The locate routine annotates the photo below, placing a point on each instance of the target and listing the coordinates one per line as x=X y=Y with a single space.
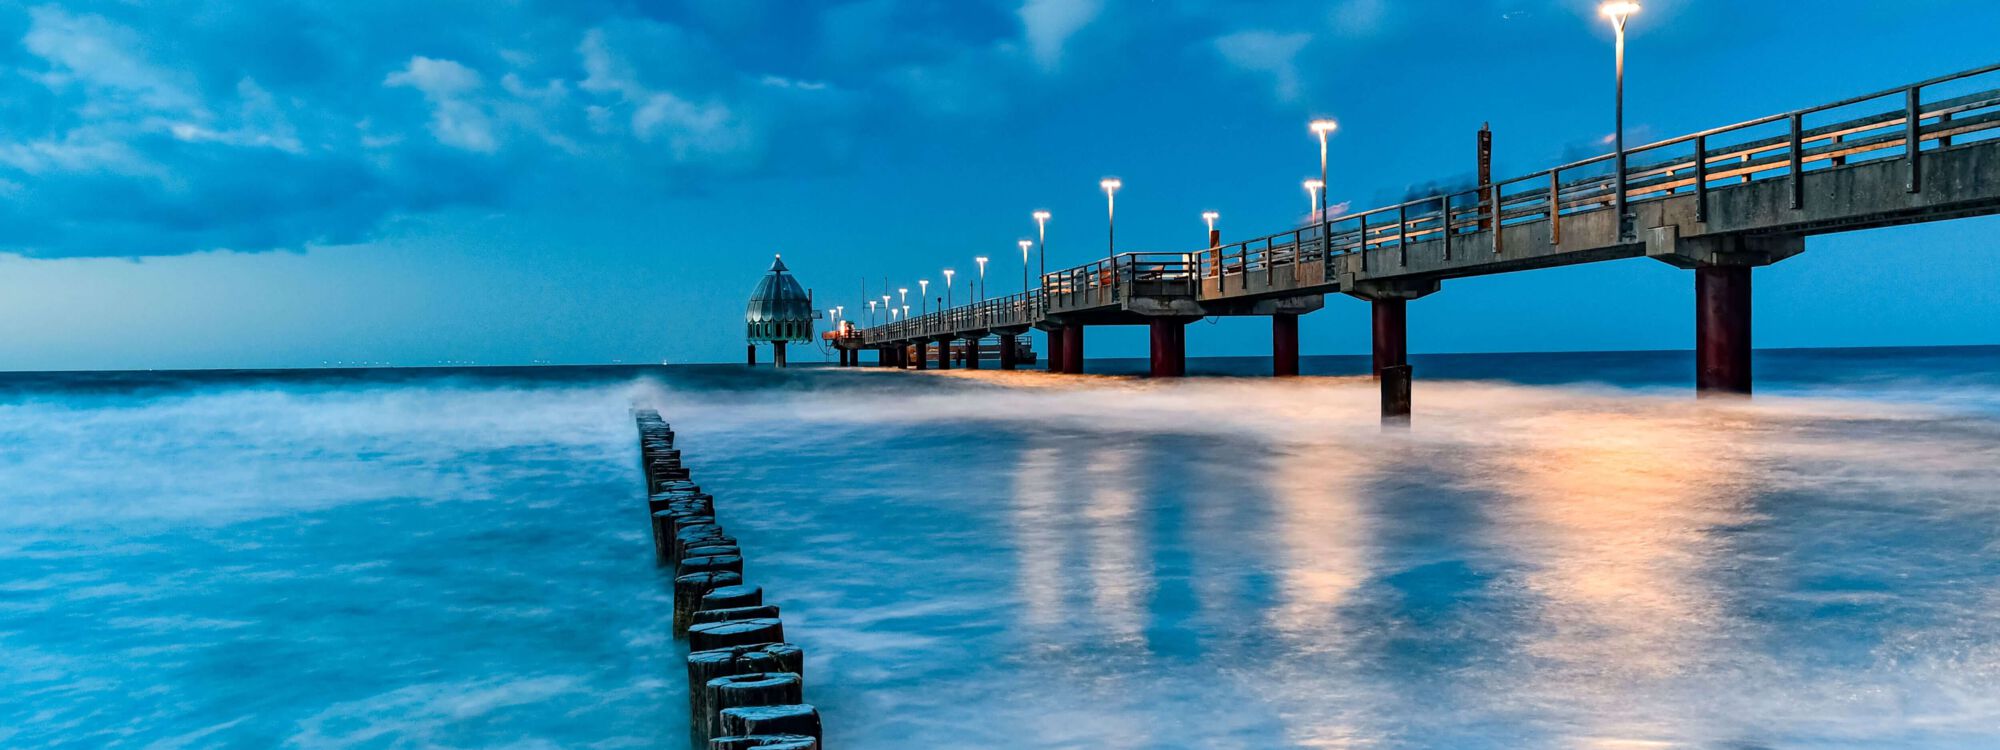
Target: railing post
x=1403 y=234
x=1913 y=135
x=1555 y=207
x=1444 y=223
x=1798 y=163
x=1363 y=248
x=1701 y=178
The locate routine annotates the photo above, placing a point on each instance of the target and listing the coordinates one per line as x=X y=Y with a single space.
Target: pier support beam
x=1722 y=330
x=1057 y=354
x=751 y=360
x=944 y=354
x=1169 y=347
x=1073 y=349
x=923 y=355
x=1284 y=345
x=1008 y=351
x=1392 y=333
x=971 y=354
x=778 y=354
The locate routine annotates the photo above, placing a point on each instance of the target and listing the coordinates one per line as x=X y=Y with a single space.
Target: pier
x=1719 y=203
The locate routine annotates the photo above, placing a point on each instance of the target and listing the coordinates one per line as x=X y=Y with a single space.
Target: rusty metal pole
x=1169 y=347
x=1722 y=330
x=1284 y=345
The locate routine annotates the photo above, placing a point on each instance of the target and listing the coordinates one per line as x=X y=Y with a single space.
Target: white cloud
x=457 y=119
x=95 y=53
x=1266 y=53
x=1049 y=24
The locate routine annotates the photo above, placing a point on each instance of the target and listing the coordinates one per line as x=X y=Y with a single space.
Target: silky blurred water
x=1567 y=551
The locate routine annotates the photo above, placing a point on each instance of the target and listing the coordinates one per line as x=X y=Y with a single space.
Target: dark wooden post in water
x=1169 y=347
x=745 y=722
x=1722 y=330
x=1008 y=351
x=1392 y=336
x=1284 y=345
x=1396 y=396
x=1073 y=349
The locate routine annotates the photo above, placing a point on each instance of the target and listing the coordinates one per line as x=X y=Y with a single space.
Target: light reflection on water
x=988 y=559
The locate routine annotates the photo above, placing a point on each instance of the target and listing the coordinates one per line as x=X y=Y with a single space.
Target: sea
x=1561 y=551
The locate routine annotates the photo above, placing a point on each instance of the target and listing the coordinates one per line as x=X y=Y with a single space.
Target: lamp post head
x=903 y=290
x=981 y=260
x=1323 y=126
x=925 y=285
x=1111 y=184
x=1025 y=244
x=1210 y=217
x=947 y=275
x=1041 y=216
x=1314 y=184
x=1618 y=11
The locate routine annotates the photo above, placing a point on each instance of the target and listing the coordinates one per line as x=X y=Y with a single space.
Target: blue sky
x=228 y=184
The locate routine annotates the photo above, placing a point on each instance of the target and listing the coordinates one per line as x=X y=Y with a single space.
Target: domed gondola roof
x=779 y=309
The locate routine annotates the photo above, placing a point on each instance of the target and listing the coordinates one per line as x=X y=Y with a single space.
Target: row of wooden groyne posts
x=745 y=683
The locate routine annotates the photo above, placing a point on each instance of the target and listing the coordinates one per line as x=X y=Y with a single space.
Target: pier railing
x=1898 y=123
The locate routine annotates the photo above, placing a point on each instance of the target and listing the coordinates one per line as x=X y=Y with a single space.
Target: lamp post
x=1619 y=11
x=1025 y=244
x=947 y=289
x=1314 y=191
x=1322 y=128
x=981 y=260
x=923 y=296
x=871 y=312
x=1111 y=186
x=903 y=296
x=1042 y=244
x=1214 y=242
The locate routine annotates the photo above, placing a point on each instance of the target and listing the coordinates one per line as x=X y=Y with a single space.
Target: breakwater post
x=746 y=685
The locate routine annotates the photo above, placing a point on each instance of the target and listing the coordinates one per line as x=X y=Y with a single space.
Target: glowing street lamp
x=1322 y=128
x=923 y=296
x=871 y=312
x=1619 y=11
x=1210 y=217
x=904 y=296
x=1314 y=191
x=947 y=288
x=981 y=260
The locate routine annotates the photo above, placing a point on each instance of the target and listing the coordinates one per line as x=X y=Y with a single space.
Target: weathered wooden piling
x=749 y=721
x=749 y=690
x=713 y=635
x=731 y=563
x=687 y=595
x=704 y=666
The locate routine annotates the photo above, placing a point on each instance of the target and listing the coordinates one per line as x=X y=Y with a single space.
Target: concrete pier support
x=1169 y=347
x=1284 y=345
x=972 y=354
x=1073 y=349
x=1057 y=354
x=751 y=359
x=778 y=354
x=1008 y=344
x=944 y=354
x=1722 y=330
x=1392 y=335
x=923 y=355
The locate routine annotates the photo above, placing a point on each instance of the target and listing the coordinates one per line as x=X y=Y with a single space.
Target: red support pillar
x=923 y=355
x=1169 y=347
x=1008 y=351
x=1057 y=356
x=1392 y=336
x=1722 y=330
x=1073 y=349
x=1284 y=345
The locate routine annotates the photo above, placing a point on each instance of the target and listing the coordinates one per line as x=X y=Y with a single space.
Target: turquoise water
x=1567 y=551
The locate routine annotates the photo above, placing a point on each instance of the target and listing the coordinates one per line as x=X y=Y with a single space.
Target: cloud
x=456 y=119
x=1050 y=23
x=1267 y=53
